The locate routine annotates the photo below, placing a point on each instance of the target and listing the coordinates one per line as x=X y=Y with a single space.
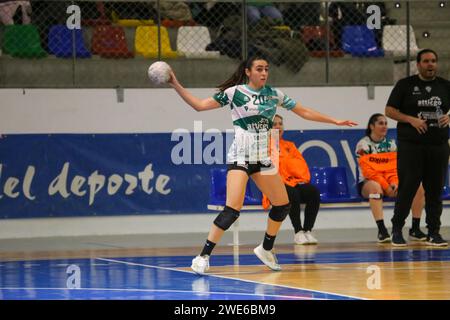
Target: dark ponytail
x=239 y=76
x=373 y=118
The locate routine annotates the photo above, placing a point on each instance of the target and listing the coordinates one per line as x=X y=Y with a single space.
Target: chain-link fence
x=101 y=44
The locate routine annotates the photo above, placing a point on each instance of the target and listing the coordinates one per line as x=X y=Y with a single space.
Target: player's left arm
x=313 y=115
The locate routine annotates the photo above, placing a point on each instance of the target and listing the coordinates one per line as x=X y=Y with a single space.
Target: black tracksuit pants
x=418 y=163
x=310 y=196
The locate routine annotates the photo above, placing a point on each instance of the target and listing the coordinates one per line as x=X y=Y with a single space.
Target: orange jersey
x=380 y=167
x=292 y=167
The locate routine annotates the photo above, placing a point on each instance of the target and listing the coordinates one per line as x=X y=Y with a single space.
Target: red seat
x=314 y=37
x=101 y=20
x=110 y=42
x=177 y=23
x=323 y=53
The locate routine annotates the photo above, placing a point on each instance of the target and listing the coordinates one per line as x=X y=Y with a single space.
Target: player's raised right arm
x=196 y=103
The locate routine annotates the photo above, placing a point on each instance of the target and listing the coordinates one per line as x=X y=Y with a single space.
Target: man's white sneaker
x=267 y=257
x=300 y=238
x=200 y=264
x=310 y=238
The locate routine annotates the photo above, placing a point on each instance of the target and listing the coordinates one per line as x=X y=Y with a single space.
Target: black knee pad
x=226 y=218
x=279 y=213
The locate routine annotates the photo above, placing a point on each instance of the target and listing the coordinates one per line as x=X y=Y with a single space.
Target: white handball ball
x=159 y=72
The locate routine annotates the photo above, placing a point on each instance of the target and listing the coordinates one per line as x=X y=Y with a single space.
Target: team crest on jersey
x=428 y=88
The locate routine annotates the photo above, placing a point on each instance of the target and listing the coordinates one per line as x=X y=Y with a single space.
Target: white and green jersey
x=367 y=146
x=252 y=113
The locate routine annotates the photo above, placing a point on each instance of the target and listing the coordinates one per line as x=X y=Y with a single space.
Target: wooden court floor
x=325 y=271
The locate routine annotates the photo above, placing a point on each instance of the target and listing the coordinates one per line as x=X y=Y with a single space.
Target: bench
x=331 y=182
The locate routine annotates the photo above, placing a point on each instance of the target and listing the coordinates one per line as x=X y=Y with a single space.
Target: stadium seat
x=394 y=41
x=192 y=41
x=22 y=41
x=332 y=184
x=168 y=23
x=218 y=190
x=101 y=20
x=446 y=193
x=360 y=41
x=315 y=37
x=146 y=42
x=133 y=23
x=60 y=42
x=283 y=28
x=110 y=42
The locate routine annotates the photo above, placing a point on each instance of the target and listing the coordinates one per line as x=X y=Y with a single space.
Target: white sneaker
x=267 y=257
x=300 y=238
x=310 y=238
x=200 y=264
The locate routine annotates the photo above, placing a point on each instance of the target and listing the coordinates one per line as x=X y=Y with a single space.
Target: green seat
x=22 y=41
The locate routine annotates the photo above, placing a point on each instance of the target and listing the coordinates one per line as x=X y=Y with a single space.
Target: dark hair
x=421 y=52
x=239 y=76
x=373 y=118
x=277 y=115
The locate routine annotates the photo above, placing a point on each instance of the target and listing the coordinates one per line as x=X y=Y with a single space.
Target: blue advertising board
x=64 y=175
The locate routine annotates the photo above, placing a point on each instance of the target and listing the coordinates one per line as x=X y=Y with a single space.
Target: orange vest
x=292 y=167
x=380 y=167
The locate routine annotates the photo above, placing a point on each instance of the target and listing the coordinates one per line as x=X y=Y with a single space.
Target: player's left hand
x=444 y=121
x=347 y=123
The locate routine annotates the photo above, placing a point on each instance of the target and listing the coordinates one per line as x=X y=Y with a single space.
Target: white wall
x=161 y=110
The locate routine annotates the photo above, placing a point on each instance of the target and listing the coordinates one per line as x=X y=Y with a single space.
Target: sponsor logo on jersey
x=378 y=160
x=262 y=124
x=432 y=102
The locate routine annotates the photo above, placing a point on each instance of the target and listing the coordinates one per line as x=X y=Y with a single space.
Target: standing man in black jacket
x=420 y=104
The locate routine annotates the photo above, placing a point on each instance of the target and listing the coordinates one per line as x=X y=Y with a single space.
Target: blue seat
x=218 y=191
x=60 y=42
x=446 y=193
x=332 y=184
x=360 y=41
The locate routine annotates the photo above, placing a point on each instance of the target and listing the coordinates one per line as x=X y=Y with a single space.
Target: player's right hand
x=172 y=80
